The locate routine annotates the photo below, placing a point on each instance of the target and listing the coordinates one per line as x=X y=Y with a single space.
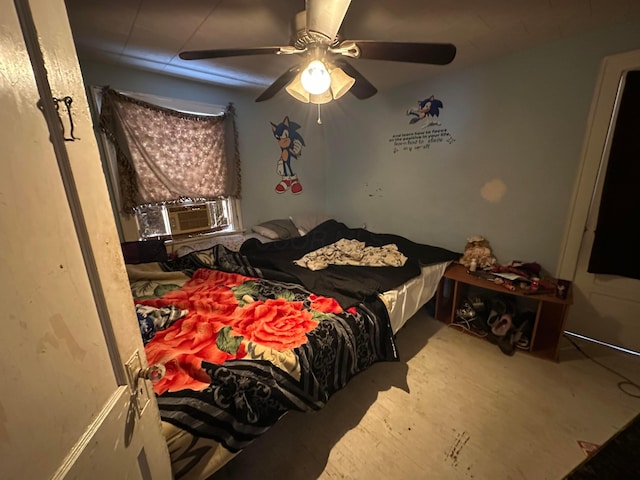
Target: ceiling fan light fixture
x=321 y=98
x=296 y=90
x=316 y=34
x=340 y=82
x=315 y=78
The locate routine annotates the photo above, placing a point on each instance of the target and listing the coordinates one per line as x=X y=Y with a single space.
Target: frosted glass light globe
x=315 y=78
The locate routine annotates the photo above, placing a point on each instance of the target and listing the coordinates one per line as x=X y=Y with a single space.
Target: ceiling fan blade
x=227 y=52
x=431 y=53
x=326 y=16
x=279 y=84
x=362 y=88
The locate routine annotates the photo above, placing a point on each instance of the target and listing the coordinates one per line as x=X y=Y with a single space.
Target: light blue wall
x=520 y=120
x=260 y=154
x=259 y=151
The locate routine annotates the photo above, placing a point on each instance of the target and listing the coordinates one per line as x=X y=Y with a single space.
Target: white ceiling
x=149 y=34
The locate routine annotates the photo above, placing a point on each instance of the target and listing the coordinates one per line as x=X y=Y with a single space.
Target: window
x=186 y=218
x=156 y=189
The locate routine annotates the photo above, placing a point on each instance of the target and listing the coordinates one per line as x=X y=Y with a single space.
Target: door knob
x=154 y=373
x=141 y=392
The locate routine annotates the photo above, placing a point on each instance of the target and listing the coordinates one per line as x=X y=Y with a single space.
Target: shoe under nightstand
x=550 y=311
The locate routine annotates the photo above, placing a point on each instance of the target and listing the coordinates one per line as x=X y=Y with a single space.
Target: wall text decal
x=430 y=131
x=420 y=140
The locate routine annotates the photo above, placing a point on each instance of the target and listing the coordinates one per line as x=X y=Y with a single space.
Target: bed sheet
x=403 y=302
x=233 y=241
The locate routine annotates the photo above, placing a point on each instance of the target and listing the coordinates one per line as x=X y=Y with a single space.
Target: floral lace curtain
x=164 y=155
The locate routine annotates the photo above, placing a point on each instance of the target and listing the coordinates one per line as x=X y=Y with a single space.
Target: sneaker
x=477 y=303
x=466 y=311
x=502 y=326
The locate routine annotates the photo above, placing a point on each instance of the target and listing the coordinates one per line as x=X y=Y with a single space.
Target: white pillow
x=305 y=222
x=280 y=229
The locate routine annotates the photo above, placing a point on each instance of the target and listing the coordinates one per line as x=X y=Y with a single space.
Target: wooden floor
x=454 y=407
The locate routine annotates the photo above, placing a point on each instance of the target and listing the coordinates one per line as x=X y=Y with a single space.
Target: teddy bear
x=478 y=249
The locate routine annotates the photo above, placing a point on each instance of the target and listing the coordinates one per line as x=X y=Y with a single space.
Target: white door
x=68 y=322
x=606 y=307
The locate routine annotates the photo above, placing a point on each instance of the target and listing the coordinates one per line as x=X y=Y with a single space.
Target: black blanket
x=350 y=285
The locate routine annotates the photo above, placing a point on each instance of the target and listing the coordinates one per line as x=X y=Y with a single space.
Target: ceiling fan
x=325 y=74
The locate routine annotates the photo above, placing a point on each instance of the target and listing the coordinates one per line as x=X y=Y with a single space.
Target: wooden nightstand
x=550 y=311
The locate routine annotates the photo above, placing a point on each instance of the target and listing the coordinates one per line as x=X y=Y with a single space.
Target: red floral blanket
x=248 y=349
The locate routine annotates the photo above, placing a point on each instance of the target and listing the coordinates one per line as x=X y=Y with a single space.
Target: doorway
x=606 y=300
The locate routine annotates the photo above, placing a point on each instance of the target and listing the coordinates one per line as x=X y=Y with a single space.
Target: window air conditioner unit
x=188 y=218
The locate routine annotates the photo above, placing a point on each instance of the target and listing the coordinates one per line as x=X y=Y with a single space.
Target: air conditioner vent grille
x=189 y=219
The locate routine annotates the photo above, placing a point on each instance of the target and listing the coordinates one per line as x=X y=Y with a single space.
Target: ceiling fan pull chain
x=319 y=119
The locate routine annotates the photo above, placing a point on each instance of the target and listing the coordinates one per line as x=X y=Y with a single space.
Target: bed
x=248 y=334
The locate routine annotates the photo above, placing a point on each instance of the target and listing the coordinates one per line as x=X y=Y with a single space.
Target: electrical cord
x=465 y=325
x=623 y=384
